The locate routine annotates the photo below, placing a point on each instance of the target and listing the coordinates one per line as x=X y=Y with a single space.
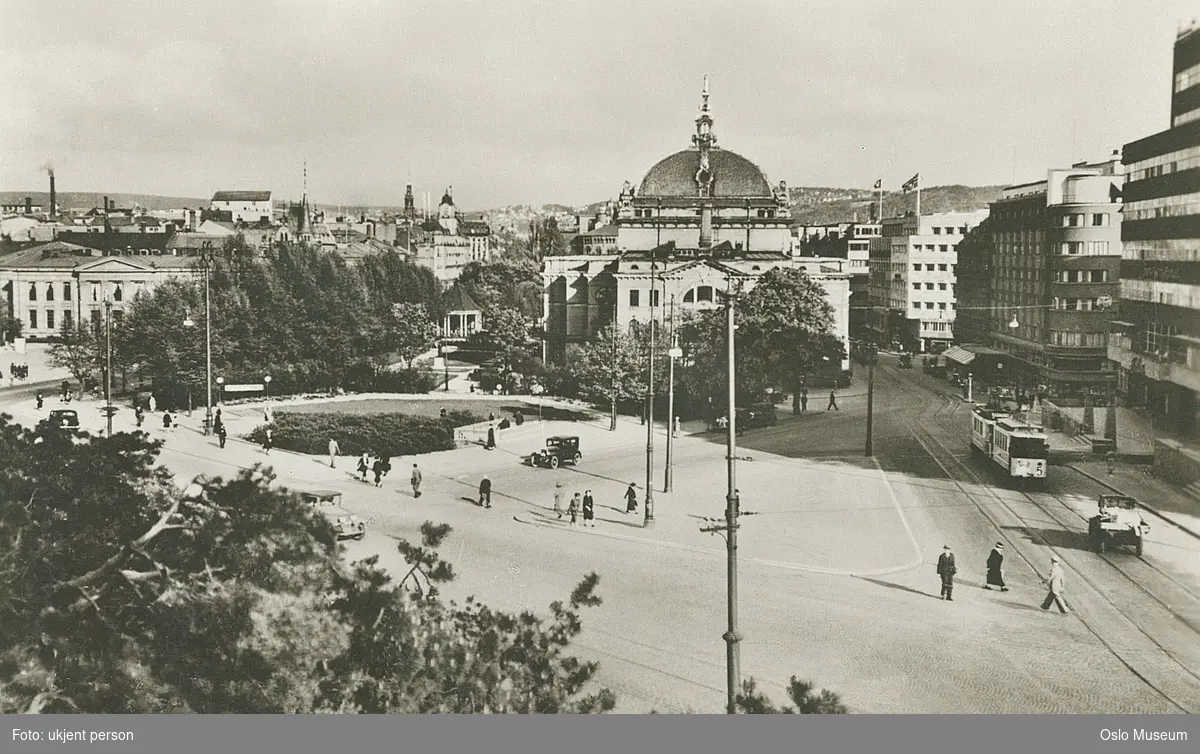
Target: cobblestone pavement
x=836 y=562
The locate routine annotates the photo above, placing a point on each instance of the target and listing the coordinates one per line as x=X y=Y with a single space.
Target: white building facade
x=244 y=206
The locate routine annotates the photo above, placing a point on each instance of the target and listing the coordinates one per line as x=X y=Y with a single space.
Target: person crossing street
x=832 y=401
x=946 y=570
x=995 y=568
x=558 y=499
x=415 y=479
x=485 y=492
x=1054 y=584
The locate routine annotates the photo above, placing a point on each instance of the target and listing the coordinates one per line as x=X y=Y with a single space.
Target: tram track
x=937 y=413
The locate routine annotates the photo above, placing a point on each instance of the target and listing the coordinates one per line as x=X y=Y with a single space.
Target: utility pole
x=649 y=515
x=108 y=406
x=668 y=481
x=731 y=636
x=872 y=356
x=612 y=420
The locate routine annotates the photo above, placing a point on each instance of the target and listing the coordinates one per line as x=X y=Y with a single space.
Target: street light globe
x=1014 y=324
x=220 y=380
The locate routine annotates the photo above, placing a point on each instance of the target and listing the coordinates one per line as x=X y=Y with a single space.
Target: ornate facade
x=701 y=219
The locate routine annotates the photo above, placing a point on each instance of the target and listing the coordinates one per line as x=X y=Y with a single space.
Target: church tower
x=447 y=214
x=410 y=204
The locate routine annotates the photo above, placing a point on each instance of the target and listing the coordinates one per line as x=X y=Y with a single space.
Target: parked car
x=67 y=418
x=345 y=524
x=559 y=450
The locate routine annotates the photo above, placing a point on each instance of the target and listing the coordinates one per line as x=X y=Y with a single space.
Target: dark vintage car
x=559 y=450
x=345 y=524
x=64 y=418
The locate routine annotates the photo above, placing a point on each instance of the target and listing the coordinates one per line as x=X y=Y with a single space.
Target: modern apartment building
x=1156 y=342
x=1042 y=283
x=912 y=279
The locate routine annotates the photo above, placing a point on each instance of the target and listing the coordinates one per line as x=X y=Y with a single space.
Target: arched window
x=704 y=294
x=33 y=291
x=756 y=268
x=49 y=291
x=633 y=267
x=690 y=297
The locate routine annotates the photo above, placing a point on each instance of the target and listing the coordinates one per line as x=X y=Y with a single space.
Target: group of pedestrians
x=16 y=372
x=947 y=569
x=578 y=504
x=378 y=465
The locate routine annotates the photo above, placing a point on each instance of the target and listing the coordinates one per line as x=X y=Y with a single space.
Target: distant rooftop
x=242 y=196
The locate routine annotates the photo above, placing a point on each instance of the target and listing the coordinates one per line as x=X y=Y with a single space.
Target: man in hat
x=1055 y=583
x=946 y=569
x=558 y=499
x=995 y=568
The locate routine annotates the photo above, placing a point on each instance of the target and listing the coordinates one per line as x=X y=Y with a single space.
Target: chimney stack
x=106 y=205
x=53 y=198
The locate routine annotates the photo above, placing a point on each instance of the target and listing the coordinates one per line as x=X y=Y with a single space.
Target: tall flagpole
x=879 y=185
x=918 y=197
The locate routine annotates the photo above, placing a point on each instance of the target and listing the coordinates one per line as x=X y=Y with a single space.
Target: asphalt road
x=837 y=570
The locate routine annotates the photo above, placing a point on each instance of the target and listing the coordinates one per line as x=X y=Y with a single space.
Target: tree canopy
x=120 y=592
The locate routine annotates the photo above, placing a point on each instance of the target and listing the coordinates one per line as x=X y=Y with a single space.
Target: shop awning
x=959 y=355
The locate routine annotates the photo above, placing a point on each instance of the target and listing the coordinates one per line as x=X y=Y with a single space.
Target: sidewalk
x=1173 y=504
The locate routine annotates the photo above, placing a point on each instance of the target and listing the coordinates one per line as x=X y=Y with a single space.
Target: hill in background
x=825 y=206
x=87 y=200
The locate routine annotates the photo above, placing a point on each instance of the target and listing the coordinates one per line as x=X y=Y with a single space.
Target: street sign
x=244 y=388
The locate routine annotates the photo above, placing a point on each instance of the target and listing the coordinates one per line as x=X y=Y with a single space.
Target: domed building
x=702 y=218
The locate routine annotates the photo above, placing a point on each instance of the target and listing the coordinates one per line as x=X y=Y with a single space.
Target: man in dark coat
x=995 y=568
x=485 y=492
x=946 y=569
x=803 y=399
x=491 y=438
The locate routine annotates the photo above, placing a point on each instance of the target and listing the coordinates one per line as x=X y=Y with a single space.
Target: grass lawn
x=501 y=406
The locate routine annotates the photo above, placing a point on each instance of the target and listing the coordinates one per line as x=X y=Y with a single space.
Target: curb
x=1163 y=516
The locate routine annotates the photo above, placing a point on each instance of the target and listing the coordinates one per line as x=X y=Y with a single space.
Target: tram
x=1018 y=448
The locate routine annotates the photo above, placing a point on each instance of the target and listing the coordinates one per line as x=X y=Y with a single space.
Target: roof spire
x=704 y=137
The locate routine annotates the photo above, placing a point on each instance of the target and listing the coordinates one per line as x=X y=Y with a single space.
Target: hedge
x=390 y=434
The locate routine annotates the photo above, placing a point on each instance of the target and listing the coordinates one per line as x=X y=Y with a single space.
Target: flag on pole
x=878 y=183
x=912 y=183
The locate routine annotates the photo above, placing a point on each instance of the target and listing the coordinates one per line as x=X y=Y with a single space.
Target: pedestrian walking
x=377 y=470
x=558 y=499
x=995 y=568
x=803 y=399
x=675 y=429
x=153 y=400
x=491 y=438
x=1055 y=585
x=66 y=390
x=491 y=416
x=573 y=508
x=166 y=419
x=946 y=569
x=1110 y=458
x=589 y=510
x=385 y=462
x=334 y=449
x=139 y=415
x=221 y=435
x=832 y=401
x=485 y=492
x=442 y=413
x=39 y=400
x=415 y=480
x=631 y=498
x=364 y=465
x=268 y=441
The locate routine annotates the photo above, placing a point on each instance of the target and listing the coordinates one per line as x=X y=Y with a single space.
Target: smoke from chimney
x=53 y=195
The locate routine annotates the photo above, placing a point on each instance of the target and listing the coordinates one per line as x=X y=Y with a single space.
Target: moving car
x=64 y=417
x=559 y=449
x=1118 y=524
x=345 y=524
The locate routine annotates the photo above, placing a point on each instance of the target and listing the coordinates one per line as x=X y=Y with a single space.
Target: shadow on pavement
x=890 y=585
x=1052 y=537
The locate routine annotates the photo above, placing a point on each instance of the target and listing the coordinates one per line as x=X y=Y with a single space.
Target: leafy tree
x=506 y=331
x=120 y=592
x=497 y=285
x=808 y=702
x=78 y=350
x=614 y=367
x=10 y=327
x=410 y=331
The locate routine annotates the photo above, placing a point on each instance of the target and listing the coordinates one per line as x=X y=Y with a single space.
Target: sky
x=524 y=102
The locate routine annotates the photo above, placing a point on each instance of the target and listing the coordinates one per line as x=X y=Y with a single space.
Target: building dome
x=733 y=176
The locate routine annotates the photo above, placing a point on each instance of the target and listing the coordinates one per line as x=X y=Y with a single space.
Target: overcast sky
x=515 y=101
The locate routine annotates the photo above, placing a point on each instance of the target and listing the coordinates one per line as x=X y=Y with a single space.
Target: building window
x=916 y=286
x=50 y=319
x=1099 y=276
x=937 y=231
x=635 y=298
x=116 y=291
x=49 y=291
x=916 y=268
x=1100 y=219
x=654 y=297
x=96 y=323
x=66 y=291
x=704 y=293
x=941 y=286
x=941 y=268
x=962 y=231
x=929 y=267
x=33 y=291
x=916 y=304
x=33 y=321
x=928 y=304
x=67 y=318
x=941 y=304
x=942 y=247
x=929 y=286
x=95 y=291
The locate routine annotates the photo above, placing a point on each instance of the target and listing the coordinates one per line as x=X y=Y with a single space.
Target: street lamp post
x=220 y=390
x=871 y=358
x=188 y=322
x=108 y=406
x=649 y=514
x=674 y=353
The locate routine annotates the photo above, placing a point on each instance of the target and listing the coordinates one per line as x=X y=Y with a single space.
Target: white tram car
x=1020 y=449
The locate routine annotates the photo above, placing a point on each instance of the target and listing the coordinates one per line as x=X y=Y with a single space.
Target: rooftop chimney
x=106 y=205
x=53 y=198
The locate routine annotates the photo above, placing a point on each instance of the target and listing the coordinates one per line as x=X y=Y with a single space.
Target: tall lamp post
x=731 y=635
x=675 y=353
x=649 y=515
x=108 y=406
x=206 y=263
x=872 y=357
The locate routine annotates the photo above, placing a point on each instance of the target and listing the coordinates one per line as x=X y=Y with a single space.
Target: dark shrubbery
x=390 y=434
